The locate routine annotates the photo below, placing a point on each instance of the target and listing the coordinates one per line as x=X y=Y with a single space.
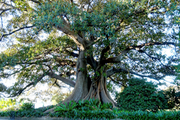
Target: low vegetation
x=91 y=109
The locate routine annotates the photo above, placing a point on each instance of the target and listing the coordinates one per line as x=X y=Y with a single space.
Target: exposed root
x=99 y=91
x=50 y=110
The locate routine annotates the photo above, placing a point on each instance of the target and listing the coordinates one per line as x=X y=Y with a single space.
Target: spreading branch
x=27 y=86
x=72 y=53
x=117 y=82
x=90 y=59
x=55 y=83
x=4 y=10
x=113 y=70
x=65 y=28
x=6 y=75
x=135 y=47
x=102 y=57
x=66 y=81
x=4 y=35
x=35 y=1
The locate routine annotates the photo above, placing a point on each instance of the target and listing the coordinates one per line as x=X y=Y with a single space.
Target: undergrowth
x=91 y=110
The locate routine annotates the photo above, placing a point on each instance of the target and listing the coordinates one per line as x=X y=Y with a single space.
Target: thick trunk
x=98 y=90
x=82 y=83
x=85 y=91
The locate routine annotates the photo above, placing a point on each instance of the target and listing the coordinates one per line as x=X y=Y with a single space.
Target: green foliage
x=27 y=106
x=2 y=87
x=26 y=110
x=7 y=104
x=177 y=68
x=141 y=95
x=173 y=98
x=84 y=109
x=59 y=97
x=144 y=115
x=83 y=105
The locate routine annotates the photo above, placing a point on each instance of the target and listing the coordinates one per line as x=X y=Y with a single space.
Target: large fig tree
x=97 y=41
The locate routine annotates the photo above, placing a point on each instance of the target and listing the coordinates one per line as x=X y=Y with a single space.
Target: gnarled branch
x=66 y=81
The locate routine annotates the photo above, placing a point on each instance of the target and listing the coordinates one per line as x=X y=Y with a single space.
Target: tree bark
x=85 y=88
x=82 y=81
x=98 y=89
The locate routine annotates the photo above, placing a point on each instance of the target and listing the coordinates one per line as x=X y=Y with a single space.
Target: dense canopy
x=97 y=41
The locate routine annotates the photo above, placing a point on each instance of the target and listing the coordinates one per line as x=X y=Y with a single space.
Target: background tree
x=100 y=41
x=141 y=95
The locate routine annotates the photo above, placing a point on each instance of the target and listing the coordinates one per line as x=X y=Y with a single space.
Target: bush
x=141 y=95
x=27 y=106
x=172 y=97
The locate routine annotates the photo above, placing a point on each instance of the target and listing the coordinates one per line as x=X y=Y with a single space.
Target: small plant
x=27 y=106
x=66 y=107
x=84 y=109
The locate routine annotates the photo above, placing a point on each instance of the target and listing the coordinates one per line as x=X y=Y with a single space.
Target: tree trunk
x=82 y=81
x=86 y=89
x=98 y=90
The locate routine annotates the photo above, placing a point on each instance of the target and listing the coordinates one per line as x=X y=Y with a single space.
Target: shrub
x=141 y=95
x=173 y=97
x=27 y=106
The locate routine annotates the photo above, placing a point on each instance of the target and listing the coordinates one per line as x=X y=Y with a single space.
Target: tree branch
x=72 y=53
x=66 y=81
x=90 y=59
x=66 y=29
x=92 y=62
x=116 y=82
x=113 y=70
x=35 y=1
x=102 y=57
x=135 y=47
x=55 y=83
x=4 y=10
x=6 y=75
x=4 y=35
x=30 y=84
